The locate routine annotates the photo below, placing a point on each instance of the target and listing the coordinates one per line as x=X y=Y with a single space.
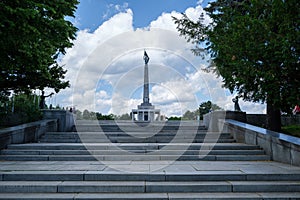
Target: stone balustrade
x=26 y=133
x=281 y=147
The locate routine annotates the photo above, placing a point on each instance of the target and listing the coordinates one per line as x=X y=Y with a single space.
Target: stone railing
x=278 y=146
x=26 y=133
x=211 y=119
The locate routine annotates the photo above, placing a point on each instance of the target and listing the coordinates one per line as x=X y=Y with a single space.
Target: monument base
x=145 y=114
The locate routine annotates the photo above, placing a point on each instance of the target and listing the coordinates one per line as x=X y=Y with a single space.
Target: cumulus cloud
x=113 y=9
x=165 y=21
x=105 y=68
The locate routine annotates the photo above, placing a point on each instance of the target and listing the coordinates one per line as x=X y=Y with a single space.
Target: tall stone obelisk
x=146 y=100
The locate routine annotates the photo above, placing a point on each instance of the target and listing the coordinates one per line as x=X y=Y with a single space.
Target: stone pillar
x=146 y=85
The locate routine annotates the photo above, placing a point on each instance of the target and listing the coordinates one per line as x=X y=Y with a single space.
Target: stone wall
x=26 y=133
x=280 y=147
x=210 y=120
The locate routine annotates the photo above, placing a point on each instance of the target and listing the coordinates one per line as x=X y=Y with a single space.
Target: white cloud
x=194 y=14
x=105 y=68
x=86 y=43
x=165 y=21
x=113 y=9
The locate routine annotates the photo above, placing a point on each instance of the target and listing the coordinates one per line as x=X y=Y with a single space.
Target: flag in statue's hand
x=146 y=57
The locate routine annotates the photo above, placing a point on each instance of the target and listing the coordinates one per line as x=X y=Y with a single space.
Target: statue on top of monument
x=146 y=57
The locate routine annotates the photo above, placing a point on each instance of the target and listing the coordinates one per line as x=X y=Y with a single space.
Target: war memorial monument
x=146 y=112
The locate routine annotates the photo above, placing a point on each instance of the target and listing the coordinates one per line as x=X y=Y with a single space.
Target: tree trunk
x=273 y=118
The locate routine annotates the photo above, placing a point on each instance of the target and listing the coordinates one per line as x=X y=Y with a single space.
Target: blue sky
x=92 y=13
x=105 y=65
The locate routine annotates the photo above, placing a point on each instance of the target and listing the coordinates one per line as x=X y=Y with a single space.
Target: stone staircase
x=134 y=143
x=145 y=161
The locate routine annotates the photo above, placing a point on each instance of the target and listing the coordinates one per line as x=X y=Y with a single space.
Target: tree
x=189 y=115
x=124 y=117
x=204 y=107
x=100 y=116
x=33 y=34
x=254 y=46
x=174 y=118
x=21 y=108
x=79 y=115
x=86 y=114
x=207 y=107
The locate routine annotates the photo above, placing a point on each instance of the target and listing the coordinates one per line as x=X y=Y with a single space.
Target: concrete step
x=137 y=157
x=133 y=146
x=133 y=140
x=133 y=128
x=126 y=136
x=133 y=137
x=147 y=186
x=115 y=152
x=188 y=134
x=150 y=196
x=208 y=175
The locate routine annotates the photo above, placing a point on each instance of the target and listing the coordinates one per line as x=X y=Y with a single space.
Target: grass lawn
x=293 y=130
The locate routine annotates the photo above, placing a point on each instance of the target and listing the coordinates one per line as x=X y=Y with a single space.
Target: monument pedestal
x=145 y=113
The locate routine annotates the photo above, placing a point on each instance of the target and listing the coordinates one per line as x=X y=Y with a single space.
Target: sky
x=105 y=65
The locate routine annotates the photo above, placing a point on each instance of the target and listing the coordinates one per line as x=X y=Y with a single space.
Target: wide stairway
x=143 y=161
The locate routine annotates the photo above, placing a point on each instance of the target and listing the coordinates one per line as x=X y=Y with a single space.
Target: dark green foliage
x=174 y=118
x=21 y=108
x=207 y=107
x=255 y=47
x=93 y=115
x=204 y=108
x=105 y=117
x=124 y=117
x=87 y=115
x=78 y=114
x=189 y=115
x=33 y=33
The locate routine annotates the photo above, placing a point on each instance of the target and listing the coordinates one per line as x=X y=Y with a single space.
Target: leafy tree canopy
x=207 y=107
x=254 y=46
x=204 y=108
x=21 y=108
x=174 y=118
x=33 y=33
x=125 y=116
